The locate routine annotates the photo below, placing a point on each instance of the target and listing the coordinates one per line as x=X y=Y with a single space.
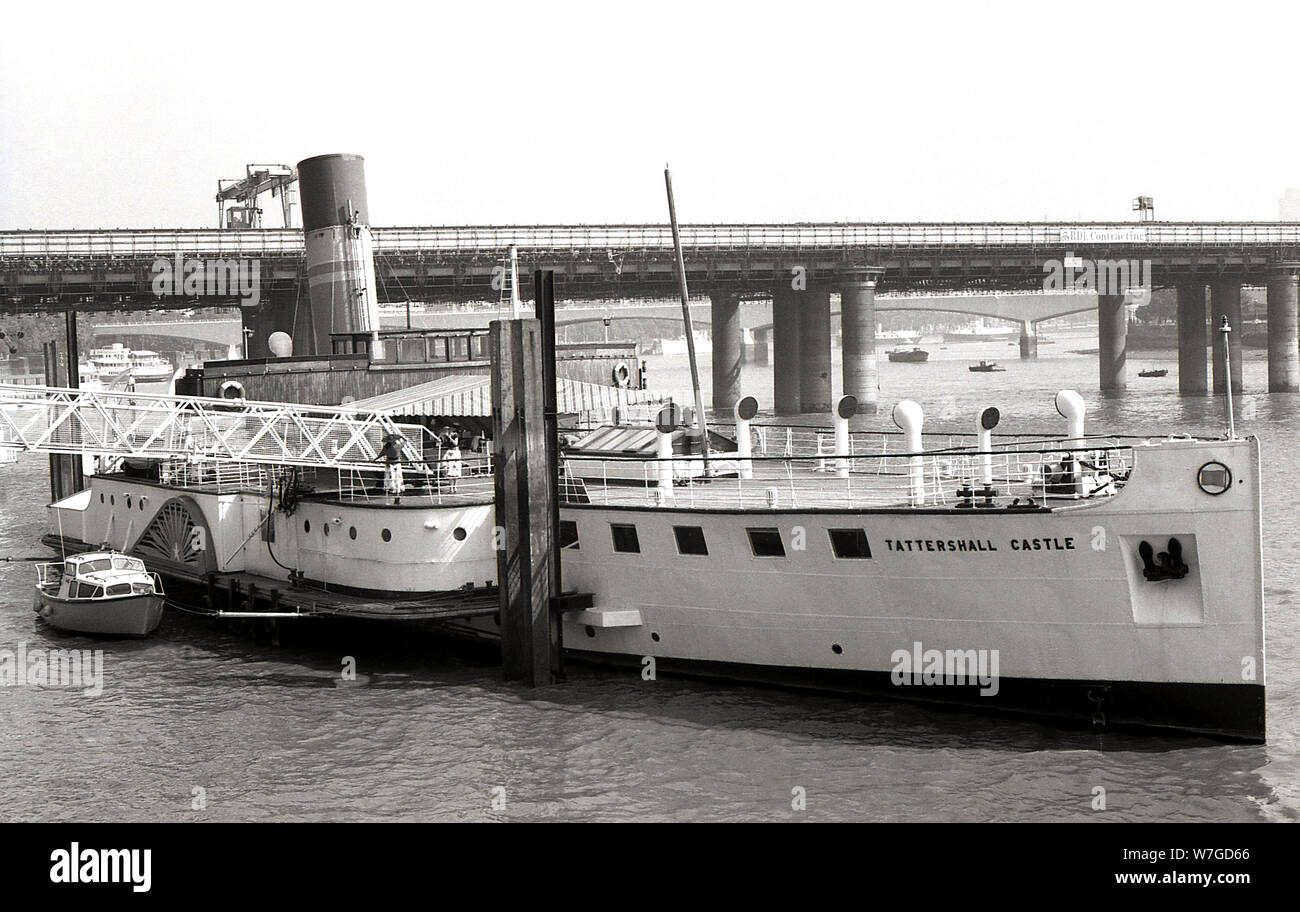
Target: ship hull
x=135 y=616
x=1051 y=610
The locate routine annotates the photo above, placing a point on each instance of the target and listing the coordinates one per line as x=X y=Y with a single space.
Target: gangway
x=133 y=425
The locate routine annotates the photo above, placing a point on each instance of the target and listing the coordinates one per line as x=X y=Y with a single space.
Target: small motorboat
x=986 y=367
x=1154 y=372
x=913 y=356
x=100 y=592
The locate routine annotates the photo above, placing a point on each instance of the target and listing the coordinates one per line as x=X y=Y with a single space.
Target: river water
x=197 y=723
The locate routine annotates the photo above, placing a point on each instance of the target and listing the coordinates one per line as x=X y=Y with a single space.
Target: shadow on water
x=420 y=659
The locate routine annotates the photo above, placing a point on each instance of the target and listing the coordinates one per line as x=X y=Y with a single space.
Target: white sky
x=125 y=115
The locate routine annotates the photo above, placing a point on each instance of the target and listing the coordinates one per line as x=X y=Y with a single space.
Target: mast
x=702 y=423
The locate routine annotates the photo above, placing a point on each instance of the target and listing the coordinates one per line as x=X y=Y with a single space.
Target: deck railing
x=1012 y=476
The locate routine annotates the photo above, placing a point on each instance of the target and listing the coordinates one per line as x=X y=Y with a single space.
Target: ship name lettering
x=940 y=544
x=1042 y=544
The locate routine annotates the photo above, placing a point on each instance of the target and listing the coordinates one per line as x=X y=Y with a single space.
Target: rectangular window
x=625 y=539
x=766 y=542
x=569 y=535
x=850 y=543
x=690 y=540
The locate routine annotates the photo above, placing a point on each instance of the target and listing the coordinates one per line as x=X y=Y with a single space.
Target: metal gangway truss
x=132 y=425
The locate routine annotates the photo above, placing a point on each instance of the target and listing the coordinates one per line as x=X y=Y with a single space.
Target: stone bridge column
x=1225 y=301
x=858 y=329
x=1112 y=343
x=1192 y=373
x=1283 y=339
x=1028 y=340
x=785 y=350
x=728 y=348
x=815 y=349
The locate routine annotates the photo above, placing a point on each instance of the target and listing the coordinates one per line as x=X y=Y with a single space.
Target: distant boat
x=1154 y=372
x=986 y=367
x=1085 y=351
x=914 y=356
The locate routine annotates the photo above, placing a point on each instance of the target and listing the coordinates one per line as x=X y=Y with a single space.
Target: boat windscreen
x=94 y=566
x=119 y=589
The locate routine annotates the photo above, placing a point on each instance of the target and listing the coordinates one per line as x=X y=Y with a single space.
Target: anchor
x=1166 y=565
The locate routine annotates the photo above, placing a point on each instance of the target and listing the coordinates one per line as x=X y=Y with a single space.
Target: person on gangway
x=391 y=453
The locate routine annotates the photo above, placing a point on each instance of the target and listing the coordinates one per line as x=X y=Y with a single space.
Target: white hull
x=136 y=615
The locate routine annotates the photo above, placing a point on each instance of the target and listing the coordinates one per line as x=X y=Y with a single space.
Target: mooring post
x=66 y=476
x=524 y=491
x=544 y=301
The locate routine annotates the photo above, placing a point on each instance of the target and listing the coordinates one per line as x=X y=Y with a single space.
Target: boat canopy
x=470 y=396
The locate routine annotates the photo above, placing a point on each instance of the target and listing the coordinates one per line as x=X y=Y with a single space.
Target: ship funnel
x=339 y=254
x=909 y=417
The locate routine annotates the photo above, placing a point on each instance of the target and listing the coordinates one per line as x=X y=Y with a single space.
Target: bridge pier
x=1283 y=338
x=815 y=349
x=1028 y=340
x=785 y=350
x=1112 y=342
x=1192 y=373
x=858 y=332
x=1225 y=301
x=728 y=348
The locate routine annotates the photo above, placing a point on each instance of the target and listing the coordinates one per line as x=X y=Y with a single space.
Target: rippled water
x=274 y=733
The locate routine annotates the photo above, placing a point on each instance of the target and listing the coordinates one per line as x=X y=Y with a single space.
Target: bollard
x=1072 y=408
x=845 y=408
x=909 y=417
x=746 y=409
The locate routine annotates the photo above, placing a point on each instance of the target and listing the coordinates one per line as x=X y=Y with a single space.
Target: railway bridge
x=798 y=267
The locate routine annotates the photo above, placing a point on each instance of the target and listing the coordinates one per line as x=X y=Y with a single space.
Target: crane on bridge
x=280 y=180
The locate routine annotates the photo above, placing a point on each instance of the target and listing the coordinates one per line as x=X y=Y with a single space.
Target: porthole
x=459 y=534
x=326 y=529
x=306 y=525
x=386 y=535
x=655 y=637
x=142 y=500
x=128 y=501
x=837 y=649
x=591 y=631
x=101 y=496
x=352 y=532
x=1214 y=478
x=112 y=500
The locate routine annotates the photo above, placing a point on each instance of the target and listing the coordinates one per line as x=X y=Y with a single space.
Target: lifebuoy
x=622 y=375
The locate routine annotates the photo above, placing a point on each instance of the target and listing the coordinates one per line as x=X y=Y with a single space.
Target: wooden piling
x=524 y=503
x=66 y=475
